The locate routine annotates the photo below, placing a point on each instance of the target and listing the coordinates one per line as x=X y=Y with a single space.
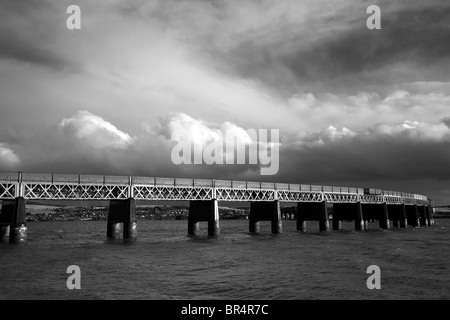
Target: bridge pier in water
x=122 y=222
x=203 y=210
x=348 y=211
x=430 y=215
x=312 y=211
x=412 y=214
x=13 y=221
x=338 y=213
x=397 y=214
x=423 y=213
x=265 y=211
x=377 y=211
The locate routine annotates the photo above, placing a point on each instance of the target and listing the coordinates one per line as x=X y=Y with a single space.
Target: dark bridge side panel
x=122 y=213
x=13 y=220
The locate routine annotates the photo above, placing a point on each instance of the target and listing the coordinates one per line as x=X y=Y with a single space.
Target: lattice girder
x=98 y=187
x=8 y=190
x=299 y=196
x=74 y=191
x=393 y=200
x=144 y=192
x=341 y=197
x=372 y=198
x=235 y=194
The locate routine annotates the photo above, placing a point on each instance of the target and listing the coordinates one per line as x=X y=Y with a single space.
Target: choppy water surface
x=164 y=263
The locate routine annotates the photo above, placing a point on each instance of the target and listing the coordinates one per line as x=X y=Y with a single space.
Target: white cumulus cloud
x=8 y=159
x=94 y=131
x=201 y=132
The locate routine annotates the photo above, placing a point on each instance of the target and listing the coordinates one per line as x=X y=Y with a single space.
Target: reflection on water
x=164 y=263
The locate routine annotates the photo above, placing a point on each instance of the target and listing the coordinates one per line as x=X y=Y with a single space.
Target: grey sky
x=354 y=106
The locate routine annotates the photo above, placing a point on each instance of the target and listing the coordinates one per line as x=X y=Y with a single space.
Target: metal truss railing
x=227 y=194
x=300 y=196
x=146 y=192
x=74 y=191
x=97 y=187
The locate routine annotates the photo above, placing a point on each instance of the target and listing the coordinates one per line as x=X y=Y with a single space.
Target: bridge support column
x=403 y=219
x=430 y=215
x=312 y=211
x=357 y=209
x=4 y=232
x=265 y=211
x=412 y=215
x=423 y=215
x=366 y=224
x=338 y=215
x=301 y=215
x=377 y=211
x=384 y=216
x=122 y=214
x=397 y=215
x=13 y=221
x=253 y=226
x=337 y=224
x=203 y=210
x=324 y=222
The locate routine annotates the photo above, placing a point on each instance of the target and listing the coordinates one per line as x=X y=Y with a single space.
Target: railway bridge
x=350 y=204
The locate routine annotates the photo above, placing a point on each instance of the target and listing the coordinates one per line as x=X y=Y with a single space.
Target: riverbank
x=442 y=212
x=74 y=213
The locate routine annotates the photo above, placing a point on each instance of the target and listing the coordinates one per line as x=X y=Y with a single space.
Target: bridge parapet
x=98 y=187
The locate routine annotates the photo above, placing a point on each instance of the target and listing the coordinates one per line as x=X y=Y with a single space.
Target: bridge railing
x=48 y=178
x=9 y=177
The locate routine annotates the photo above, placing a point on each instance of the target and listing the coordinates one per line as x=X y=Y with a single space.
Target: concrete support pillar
x=396 y=215
x=324 y=222
x=13 y=221
x=277 y=226
x=358 y=214
x=130 y=223
x=416 y=216
x=312 y=211
x=412 y=215
x=4 y=232
x=366 y=224
x=337 y=224
x=430 y=216
x=122 y=221
x=384 y=216
x=265 y=211
x=423 y=215
x=301 y=216
x=339 y=213
x=253 y=222
x=203 y=210
x=403 y=219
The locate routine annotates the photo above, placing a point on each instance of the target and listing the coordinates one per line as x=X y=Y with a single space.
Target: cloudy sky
x=355 y=107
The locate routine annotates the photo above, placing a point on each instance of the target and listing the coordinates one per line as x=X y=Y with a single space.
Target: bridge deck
x=96 y=187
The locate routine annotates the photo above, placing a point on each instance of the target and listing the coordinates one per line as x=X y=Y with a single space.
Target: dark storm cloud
x=24 y=51
x=411 y=36
x=308 y=67
x=344 y=52
x=27 y=32
x=362 y=160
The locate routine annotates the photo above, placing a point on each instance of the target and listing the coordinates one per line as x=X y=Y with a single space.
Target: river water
x=164 y=263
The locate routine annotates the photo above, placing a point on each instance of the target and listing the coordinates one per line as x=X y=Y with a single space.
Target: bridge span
x=356 y=204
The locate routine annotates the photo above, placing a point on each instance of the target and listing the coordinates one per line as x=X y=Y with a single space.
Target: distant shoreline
x=46 y=212
x=36 y=213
